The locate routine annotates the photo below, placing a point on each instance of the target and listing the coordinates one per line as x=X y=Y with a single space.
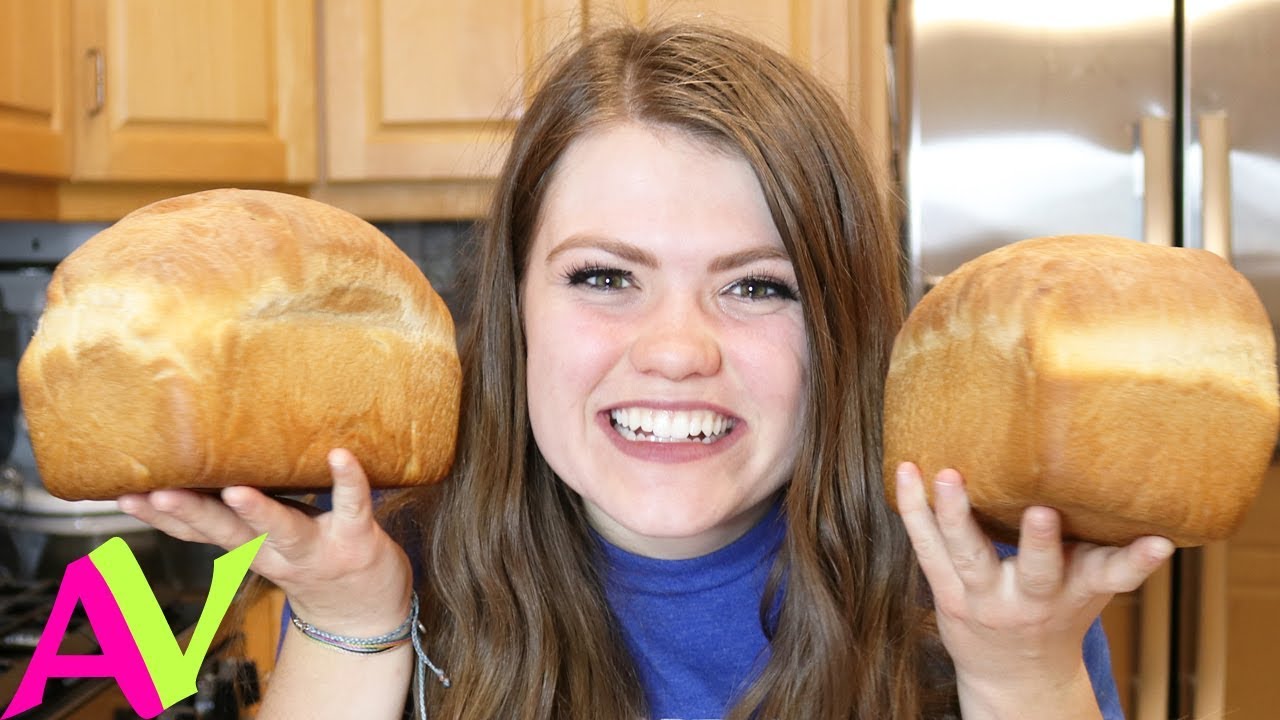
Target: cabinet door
x=1253 y=594
x=198 y=90
x=429 y=89
x=841 y=41
x=816 y=32
x=33 y=48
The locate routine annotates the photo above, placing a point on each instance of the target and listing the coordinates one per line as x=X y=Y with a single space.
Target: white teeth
x=644 y=424
x=680 y=425
x=662 y=424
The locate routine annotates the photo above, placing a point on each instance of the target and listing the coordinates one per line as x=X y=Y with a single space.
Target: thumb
x=352 y=502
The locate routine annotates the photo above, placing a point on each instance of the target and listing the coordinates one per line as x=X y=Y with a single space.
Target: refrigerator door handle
x=1155 y=139
x=1215 y=193
x=1156 y=602
x=1211 y=646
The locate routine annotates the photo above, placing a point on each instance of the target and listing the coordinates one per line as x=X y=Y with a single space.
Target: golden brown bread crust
x=235 y=337
x=1130 y=386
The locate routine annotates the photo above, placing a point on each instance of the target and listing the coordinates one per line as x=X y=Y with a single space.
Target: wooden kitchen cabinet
x=259 y=630
x=419 y=97
x=33 y=51
x=1253 y=607
x=198 y=90
x=34 y=139
x=842 y=42
x=108 y=104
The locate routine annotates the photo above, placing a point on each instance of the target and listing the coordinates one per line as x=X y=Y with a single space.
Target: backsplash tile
x=438 y=248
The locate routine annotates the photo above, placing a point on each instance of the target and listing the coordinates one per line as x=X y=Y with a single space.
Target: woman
x=666 y=501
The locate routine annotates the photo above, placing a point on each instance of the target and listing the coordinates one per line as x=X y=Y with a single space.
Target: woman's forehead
x=643 y=178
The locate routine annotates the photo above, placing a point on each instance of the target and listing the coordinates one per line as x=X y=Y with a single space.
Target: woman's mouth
x=670 y=426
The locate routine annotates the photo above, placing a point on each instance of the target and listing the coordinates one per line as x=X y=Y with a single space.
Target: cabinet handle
x=98 y=64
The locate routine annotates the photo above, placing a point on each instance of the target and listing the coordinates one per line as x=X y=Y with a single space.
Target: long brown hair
x=511 y=594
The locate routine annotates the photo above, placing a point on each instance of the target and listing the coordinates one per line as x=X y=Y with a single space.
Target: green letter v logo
x=172 y=671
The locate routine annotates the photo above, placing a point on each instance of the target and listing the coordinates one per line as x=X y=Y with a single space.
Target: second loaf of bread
x=1131 y=387
x=235 y=337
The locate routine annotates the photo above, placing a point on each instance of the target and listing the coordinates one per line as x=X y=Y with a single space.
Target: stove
x=227 y=684
x=41 y=534
x=23 y=609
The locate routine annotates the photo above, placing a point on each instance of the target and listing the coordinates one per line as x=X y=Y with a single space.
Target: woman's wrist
x=363 y=644
x=1053 y=696
x=369 y=618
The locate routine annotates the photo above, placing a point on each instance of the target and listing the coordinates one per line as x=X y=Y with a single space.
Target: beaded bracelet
x=409 y=630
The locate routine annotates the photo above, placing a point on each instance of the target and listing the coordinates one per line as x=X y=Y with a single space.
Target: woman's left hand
x=1015 y=626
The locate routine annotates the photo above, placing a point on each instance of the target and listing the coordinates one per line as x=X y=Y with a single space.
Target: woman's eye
x=601 y=278
x=755 y=288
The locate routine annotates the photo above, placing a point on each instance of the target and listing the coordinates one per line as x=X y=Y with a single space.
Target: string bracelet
x=362 y=646
x=408 y=631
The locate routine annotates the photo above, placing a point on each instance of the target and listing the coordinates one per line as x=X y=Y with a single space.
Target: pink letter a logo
x=120 y=656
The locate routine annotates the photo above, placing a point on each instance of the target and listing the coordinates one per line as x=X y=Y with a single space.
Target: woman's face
x=666 y=343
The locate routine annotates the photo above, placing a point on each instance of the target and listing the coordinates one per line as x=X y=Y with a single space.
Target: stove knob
x=11 y=488
x=228 y=685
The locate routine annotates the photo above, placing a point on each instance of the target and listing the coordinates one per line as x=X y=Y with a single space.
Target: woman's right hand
x=340 y=569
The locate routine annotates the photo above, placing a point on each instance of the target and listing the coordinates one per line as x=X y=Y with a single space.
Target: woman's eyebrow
x=746 y=257
x=623 y=250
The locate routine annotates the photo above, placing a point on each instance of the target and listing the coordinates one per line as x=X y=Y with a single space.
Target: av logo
x=138 y=649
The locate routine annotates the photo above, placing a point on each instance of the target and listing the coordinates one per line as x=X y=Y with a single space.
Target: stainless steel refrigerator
x=1157 y=120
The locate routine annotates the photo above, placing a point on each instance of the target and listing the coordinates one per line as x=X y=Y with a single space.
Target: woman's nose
x=676 y=345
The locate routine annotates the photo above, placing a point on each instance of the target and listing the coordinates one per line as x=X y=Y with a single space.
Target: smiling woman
x=667 y=500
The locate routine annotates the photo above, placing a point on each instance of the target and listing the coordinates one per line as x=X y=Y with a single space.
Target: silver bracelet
x=411 y=630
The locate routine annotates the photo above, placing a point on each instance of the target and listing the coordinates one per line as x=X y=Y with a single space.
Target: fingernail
x=1041 y=519
x=1161 y=550
x=337 y=460
x=230 y=500
x=163 y=501
x=904 y=473
x=946 y=482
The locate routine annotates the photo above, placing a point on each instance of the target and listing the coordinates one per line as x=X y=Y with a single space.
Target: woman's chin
x=668 y=533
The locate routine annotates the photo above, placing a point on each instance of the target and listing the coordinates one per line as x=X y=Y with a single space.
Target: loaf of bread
x=234 y=337
x=1131 y=387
